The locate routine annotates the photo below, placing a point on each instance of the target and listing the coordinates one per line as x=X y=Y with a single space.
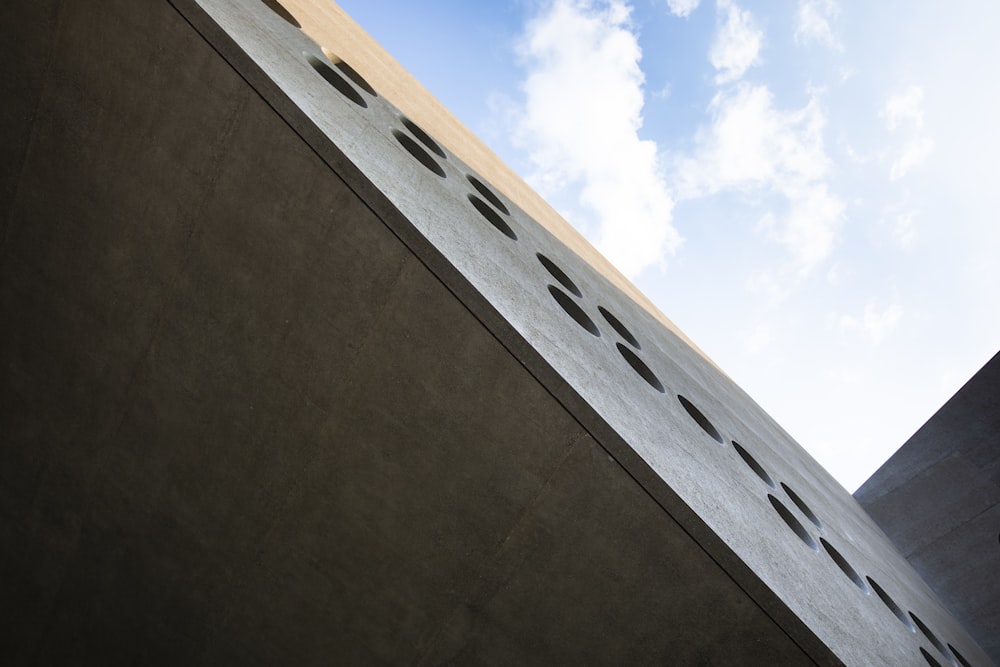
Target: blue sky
x=807 y=189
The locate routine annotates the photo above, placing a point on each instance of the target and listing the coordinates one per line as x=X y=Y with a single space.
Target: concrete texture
x=329 y=26
x=938 y=498
x=277 y=392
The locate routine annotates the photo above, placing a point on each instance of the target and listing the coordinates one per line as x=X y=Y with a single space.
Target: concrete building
x=295 y=371
x=938 y=498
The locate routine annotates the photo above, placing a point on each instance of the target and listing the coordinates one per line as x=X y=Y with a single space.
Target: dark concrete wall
x=938 y=498
x=29 y=52
x=243 y=424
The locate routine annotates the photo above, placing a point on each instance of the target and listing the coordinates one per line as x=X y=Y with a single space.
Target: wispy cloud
x=737 y=43
x=906 y=108
x=913 y=153
x=682 y=7
x=581 y=117
x=813 y=23
x=768 y=285
x=876 y=323
x=904 y=113
x=750 y=143
x=904 y=230
x=751 y=146
x=811 y=225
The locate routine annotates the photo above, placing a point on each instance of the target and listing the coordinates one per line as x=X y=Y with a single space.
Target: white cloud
x=858 y=157
x=664 y=92
x=737 y=43
x=581 y=117
x=848 y=323
x=904 y=112
x=682 y=7
x=905 y=108
x=769 y=286
x=903 y=231
x=875 y=323
x=749 y=143
x=835 y=274
x=813 y=23
x=752 y=147
x=913 y=153
x=812 y=224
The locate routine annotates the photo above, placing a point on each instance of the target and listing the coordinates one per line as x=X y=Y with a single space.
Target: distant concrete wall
x=938 y=498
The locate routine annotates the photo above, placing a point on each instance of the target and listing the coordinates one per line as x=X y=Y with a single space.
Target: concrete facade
x=938 y=498
x=288 y=381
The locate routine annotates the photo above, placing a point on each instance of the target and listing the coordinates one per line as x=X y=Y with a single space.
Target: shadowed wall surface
x=938 y=498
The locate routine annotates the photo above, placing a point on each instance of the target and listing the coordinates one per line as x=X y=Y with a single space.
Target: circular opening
x=573 y=310
x=487 y=194
x=414 y=149
x=619 y=327
x=337 y=81
x=844 y=566
x=890 y=603
x=640 y=367
x=753 y=465
x=702 y=420
x=349 y=72
x=930 y=635
x=558 y=274
x=929 y=658
x=792 y=522
x=422 y=136
x=802 y=506
x=961 y=658
x=276 y=7
x=492 y=216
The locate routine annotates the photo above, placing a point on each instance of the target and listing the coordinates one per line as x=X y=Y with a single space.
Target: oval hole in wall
x=558 y=274
x=701 y=419
x=753 y=465
x=640 y=367
x=414 y=149
x=278 y=9
x=809 y=514
x=891 y=604
x=422 y=136
x=929 y=658
x=573 y=310
x=487 y=194
x=336 y=80
x=938 y=644
x=492 y=217
x=792 y=522
x=844 y=566
x=961 y=658
x=349 y=72
x=619 y=327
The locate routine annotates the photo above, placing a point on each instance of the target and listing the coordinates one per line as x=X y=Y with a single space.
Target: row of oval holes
x=579 y=315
